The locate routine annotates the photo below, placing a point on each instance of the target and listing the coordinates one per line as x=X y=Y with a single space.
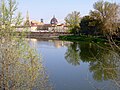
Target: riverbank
x=83 y=38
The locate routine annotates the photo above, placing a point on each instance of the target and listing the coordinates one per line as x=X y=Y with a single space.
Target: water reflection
x=72 y=55
x=54 y=43
x=104 y=68
x=103 y=63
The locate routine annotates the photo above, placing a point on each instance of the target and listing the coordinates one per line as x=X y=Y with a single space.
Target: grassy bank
x=83 y=38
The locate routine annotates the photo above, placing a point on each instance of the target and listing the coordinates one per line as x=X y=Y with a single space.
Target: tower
x=41 y=20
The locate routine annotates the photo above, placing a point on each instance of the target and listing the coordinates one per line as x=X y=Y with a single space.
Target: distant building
x=43 y=27
x=58 y=28
x=52 y=27
x=35 y=24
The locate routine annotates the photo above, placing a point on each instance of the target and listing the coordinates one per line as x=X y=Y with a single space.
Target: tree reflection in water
x=72 y=54
x=103 y=63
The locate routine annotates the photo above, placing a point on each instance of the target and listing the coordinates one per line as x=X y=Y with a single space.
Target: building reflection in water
x=54 y=43
x=59 y=44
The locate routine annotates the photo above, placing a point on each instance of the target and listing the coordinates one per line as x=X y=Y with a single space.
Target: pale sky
x=46 y=9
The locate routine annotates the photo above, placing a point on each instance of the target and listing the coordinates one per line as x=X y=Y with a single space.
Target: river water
x=77 y=65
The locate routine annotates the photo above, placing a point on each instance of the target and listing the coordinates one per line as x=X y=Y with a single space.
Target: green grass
x=83 y=38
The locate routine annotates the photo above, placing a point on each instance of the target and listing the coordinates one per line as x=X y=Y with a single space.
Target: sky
x=46 y=9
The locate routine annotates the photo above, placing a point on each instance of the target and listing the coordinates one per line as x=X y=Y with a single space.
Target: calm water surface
x=76 y=66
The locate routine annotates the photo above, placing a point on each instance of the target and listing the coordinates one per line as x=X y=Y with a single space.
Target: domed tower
x=54 y=21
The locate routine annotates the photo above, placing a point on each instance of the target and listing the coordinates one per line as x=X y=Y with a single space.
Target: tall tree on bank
x=73 y=21
x=109 y=14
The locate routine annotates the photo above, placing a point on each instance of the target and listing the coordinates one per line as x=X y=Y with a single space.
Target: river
x=77 y=65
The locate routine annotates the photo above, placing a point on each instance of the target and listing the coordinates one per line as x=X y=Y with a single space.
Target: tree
x=73 y=20
x=20 y=67
x=89 y=25
x=27 y=22
x=108 y=13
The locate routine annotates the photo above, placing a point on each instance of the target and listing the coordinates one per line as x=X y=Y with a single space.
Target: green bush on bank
x=83 y=38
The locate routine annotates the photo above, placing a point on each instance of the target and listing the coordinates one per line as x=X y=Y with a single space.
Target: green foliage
x=83 y=38
x=73 y=20
x=90 y=25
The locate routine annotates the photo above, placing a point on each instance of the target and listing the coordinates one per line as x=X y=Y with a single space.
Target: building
x=58 y=28
x=35 y=24
x=52 y=27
